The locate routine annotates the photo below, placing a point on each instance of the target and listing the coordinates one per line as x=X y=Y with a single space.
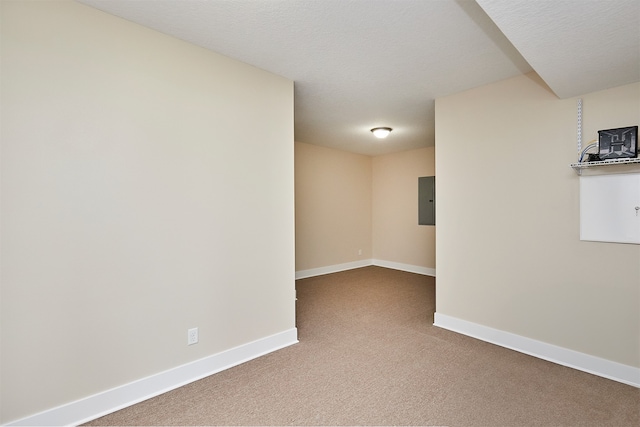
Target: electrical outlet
x=192 y=336
x=359 y=251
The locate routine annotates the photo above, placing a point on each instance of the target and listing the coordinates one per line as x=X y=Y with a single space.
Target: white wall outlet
x=359 y=251
x=192 y=336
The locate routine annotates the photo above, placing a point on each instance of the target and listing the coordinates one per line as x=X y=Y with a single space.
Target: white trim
x=426 y=271
x=303 y=274
x=583 y=362
x=109 y=401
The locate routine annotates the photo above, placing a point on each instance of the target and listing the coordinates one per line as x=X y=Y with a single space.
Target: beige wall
x=333 y=206
x=397 y=237
x=508 y=249
x=348 y=202
x=147 y=187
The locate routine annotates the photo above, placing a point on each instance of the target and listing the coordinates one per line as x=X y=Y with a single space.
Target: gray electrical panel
x=427 y=200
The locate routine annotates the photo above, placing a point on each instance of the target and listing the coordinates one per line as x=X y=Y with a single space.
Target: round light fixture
x=381 y=132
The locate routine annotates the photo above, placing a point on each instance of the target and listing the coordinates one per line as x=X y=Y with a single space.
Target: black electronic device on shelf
x=618 y=143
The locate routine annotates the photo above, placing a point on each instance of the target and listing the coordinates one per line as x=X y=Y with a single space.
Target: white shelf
x=578 y=167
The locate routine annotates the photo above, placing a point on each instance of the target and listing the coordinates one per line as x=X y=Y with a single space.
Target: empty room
x=337 y=212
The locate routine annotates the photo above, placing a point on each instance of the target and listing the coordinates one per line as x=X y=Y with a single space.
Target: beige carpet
x=369 y=355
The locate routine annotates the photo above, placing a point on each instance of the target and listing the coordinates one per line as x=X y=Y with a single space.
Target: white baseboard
x=426 y=271
x=303 y=274
x=560 y=355
x=109 y=401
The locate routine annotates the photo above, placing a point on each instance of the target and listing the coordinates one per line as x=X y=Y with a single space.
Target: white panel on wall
x=610 y=208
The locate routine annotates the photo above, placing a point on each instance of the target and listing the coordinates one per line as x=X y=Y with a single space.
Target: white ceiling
x=358 y=64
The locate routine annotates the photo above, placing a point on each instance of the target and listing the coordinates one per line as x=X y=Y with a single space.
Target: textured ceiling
x=358 y=64
x=576 y=46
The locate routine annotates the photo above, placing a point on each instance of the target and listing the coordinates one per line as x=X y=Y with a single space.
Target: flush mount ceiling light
x=381 y=132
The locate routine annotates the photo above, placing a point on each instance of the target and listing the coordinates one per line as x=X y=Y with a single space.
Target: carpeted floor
x=369 y=355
